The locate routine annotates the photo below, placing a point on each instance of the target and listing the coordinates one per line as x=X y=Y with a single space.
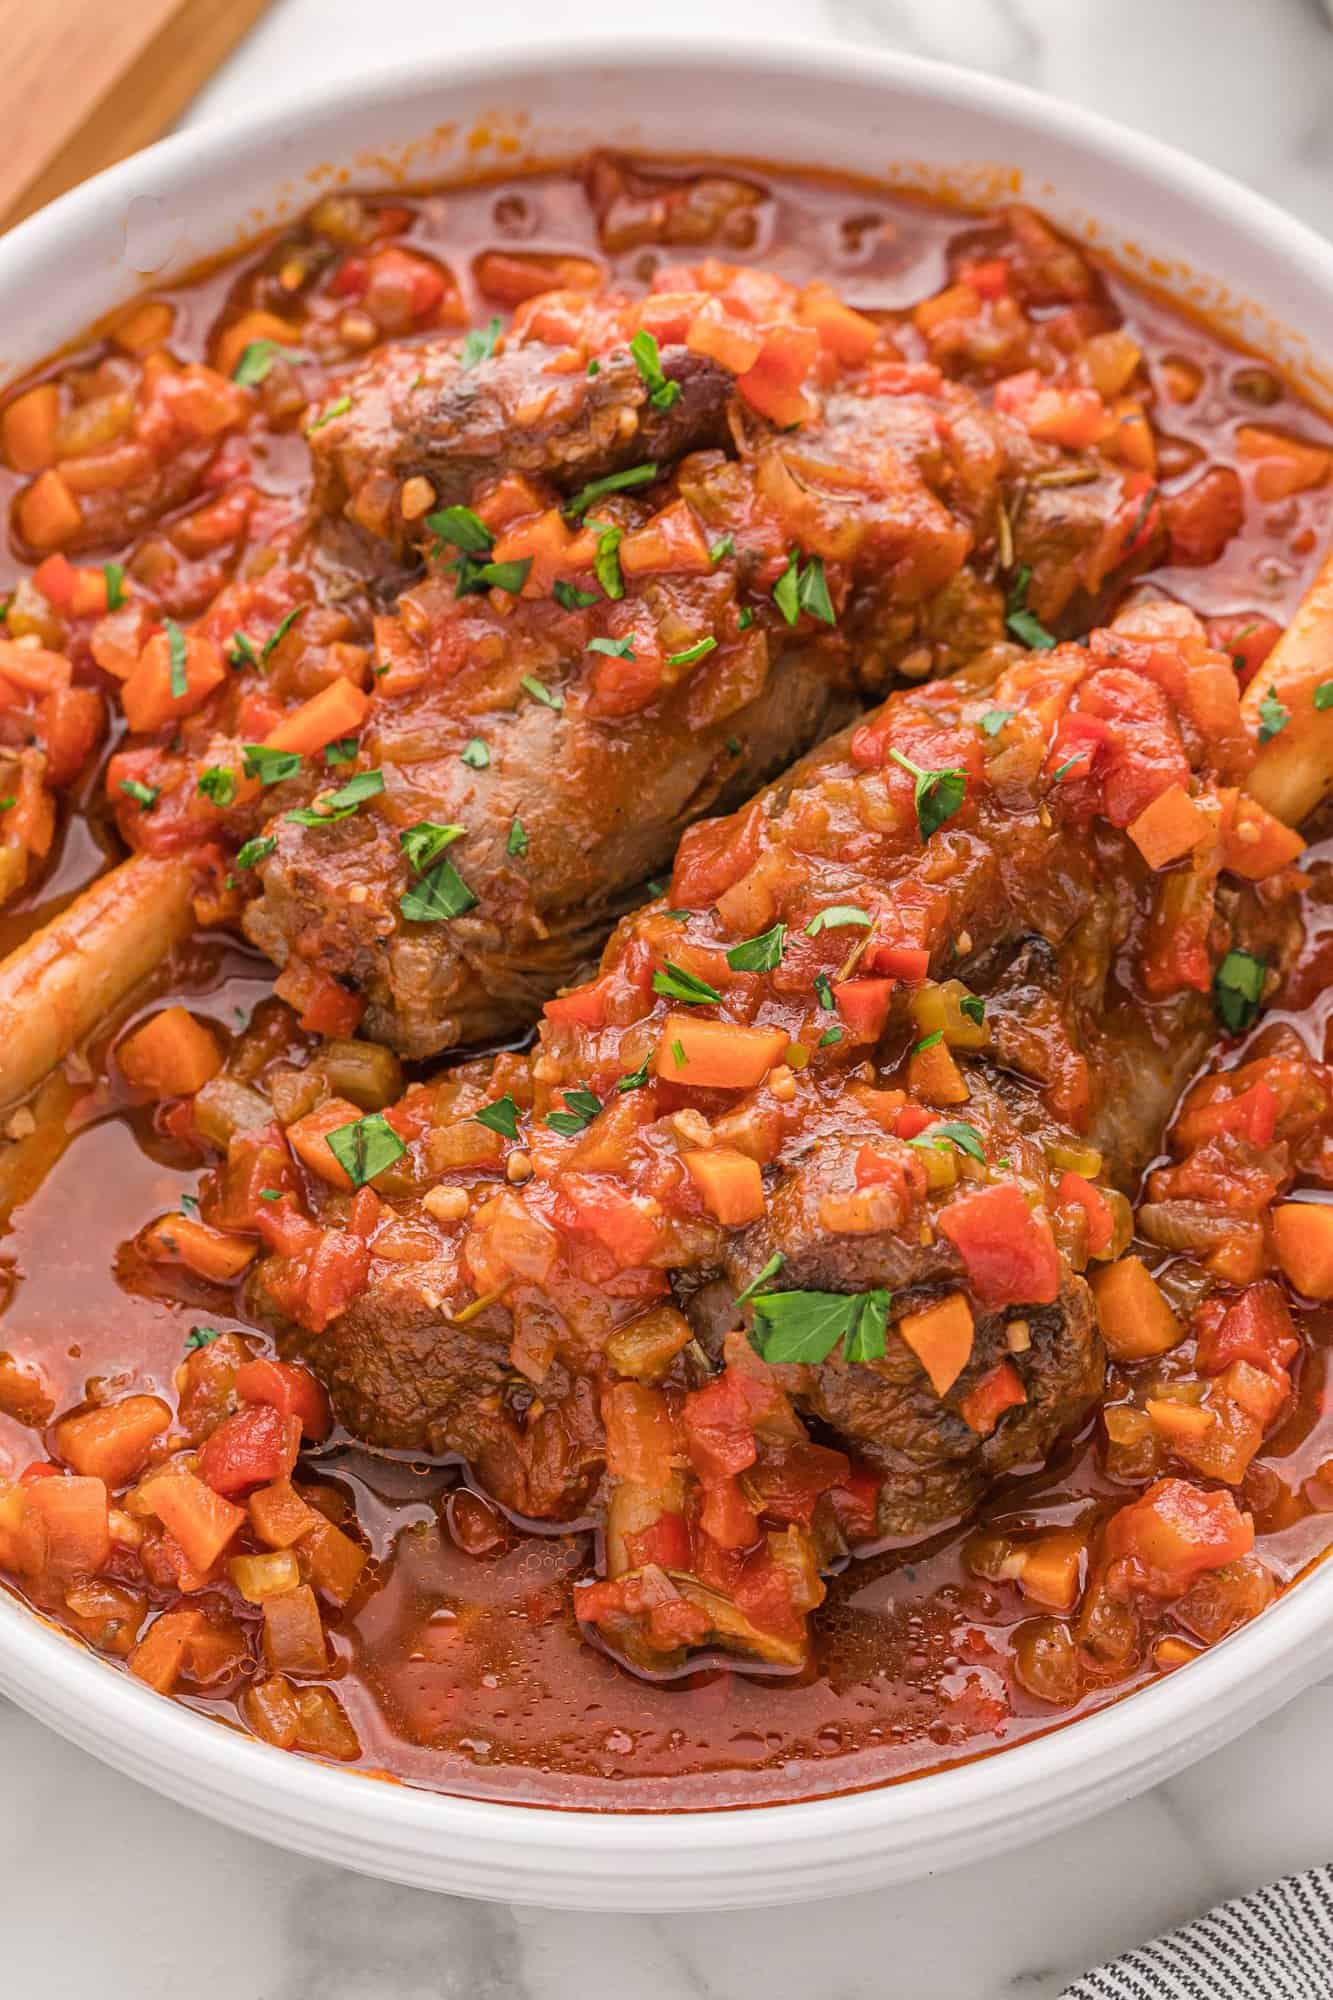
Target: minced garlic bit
x=692 y=1128
x=1018 y=1336
x=782 y=1083
x=416 y=498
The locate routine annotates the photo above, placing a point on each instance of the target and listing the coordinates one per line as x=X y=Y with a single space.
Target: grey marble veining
x=108 y=1891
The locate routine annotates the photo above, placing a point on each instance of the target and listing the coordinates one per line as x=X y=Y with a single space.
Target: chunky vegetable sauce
x=761 y=1385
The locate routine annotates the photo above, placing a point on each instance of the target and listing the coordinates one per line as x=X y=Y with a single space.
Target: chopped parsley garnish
x=461 y=529
x=1024 y=624
x=803 y=587
x=938 y=794
x=280 y=631
x=501 y=1117
x=426 y=841
x=241 y=653
x=824 y=993
x=189 y=1204
x=144 y=796
x=594 y=367
x=517 y=842
x=1067 y=766
x=365 y=1147
x=338 y=408
x=829 y=1036
x=474 y=577
x=270 y=766
x=480 y=343
x=476 y=755
x=548 y=697
x=678 y=1052
x=1238 y=988
x=201 y=1336
x=341 y=751
x=616 y=649
x=759 y=954
x=570 y=598
x=1323 y=695
x=807 y=1326
x=256 y=851
x=635 y=1079
x=974 y=1007
x=993 y=721
x=929 y=1041
x=614 y=482
x=257 y=358
x=662 y=391
x=691 y=653
x=441 y=893
x=836 y=918
x=1273 y=717
x=270 y=1194
x=342 y=803
x=760 y=1279
x=675 y=983
x=965 y=1137
x=179 y=657
x=606 y=562
x=745 y=618
x=115 y=585
x=580 y=1108
x=724 y=546
x=218 y=783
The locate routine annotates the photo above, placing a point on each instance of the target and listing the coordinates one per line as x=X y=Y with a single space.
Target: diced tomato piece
x=900 y=961
x=863 y=1006
x=1175 y=1532
x=252 y=1448
x=1075 y=1192
x=999 y=1390
x=1257 y=1328
x=290 y=1389
x=600 y=1206
x=73 y=1513
x=715 y=854
x=1009 y=1252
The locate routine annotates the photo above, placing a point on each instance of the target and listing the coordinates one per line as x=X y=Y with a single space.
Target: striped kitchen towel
x=1276 y=1944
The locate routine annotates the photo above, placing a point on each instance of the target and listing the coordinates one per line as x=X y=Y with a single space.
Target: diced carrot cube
x=1303 y=1233
x=74 y=1516
x=733 y=343
x=160 y=1656
x=28 y=428
x=847 y=334
x=308 y=1138
x=208 y=1252
x=172 y=1055
x=1136 y=1320
x=934 y=1076
x=731 y=1184
x=1172 y=825
x=112 y=1443
x=48 y=513
x=33 y=668
x=1255 y=843
x=294 y=1641
x=337 y=710
x=941 y=1338
x=147 y=696
x=1052 y=1568
x=202 y=1521
x=1283 y=465
x=279 y=1515
x=250 y=327
x=716 y=1055
x=1000 y=1390
x=1178 y=1423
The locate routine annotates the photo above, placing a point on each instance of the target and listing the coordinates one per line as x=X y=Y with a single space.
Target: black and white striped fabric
x=1276 y=1944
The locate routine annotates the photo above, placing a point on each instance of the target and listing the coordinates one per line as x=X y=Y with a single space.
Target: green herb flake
x=824 y=993
x=1238 y=988
x=257 y=358
x=461 y=529
x=807 y=1326
x=548 y=697
x=341 y=804
x=1025 y=625
x=280 y=631
x=836 y=918
x=341 y=751
x=974 y=1007
x=201 y=1336
x=338 y=408
x=1323 y=695
x=691 y=653
x=476 y=755
x=178 y=654
x=269 y=766
x=517 y=842
x=365 y=1148
x=480 y=343
x=745 y=619
x=616 y=649
x=270 y=1194
x=241 y=653
x=1273 y=717
x=218 y=783
x=804 y=587
x=615 y=482
x=937 y=794
x=580 y=1108
x=501 y=1117
x=606 y=562
x=678 y=1052
x=724 y=546
x=675 y=983
x=437 y=897
x=594 y=368
x=829 y=1037
x=760 y=1279
x=993 y=721
x=144 y=796
x=426 y=841
x=634 y=1079
x=115 y=585
x=929 y=1042
x=759 y=954
x=256 y=851
x=570 y=598
x=662 y=392
x=965 y=1137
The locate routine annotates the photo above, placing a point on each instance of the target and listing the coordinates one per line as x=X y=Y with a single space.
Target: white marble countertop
x=107 y=1890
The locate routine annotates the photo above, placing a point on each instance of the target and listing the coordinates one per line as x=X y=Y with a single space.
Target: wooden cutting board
x=84 y=82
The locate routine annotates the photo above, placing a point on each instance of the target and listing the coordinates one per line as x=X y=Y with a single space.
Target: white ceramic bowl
x=1196 y=234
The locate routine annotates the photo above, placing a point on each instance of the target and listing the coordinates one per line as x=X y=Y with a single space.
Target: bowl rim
x=586 y=1858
